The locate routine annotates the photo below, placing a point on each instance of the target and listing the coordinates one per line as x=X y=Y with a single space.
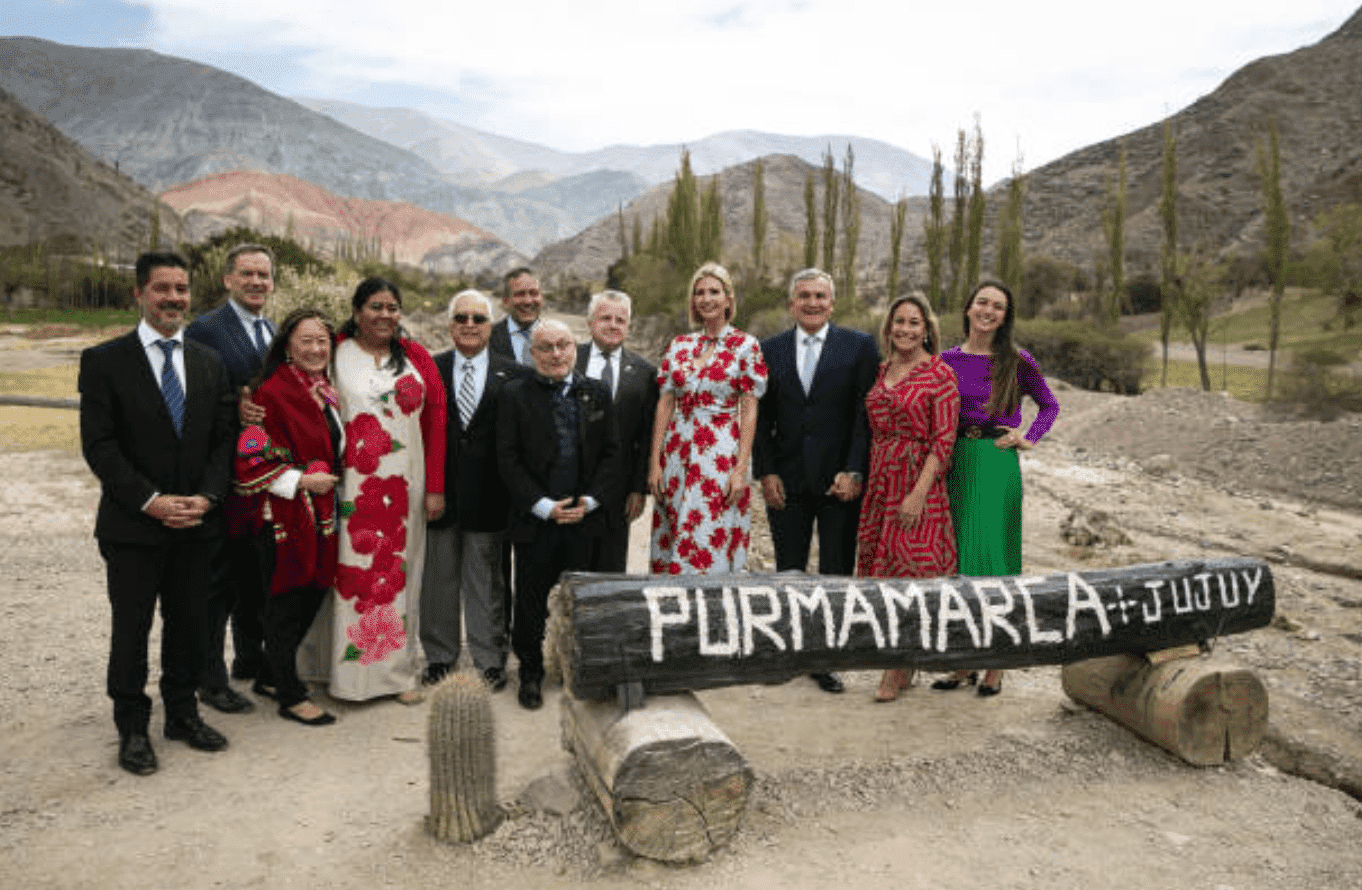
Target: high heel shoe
x=954 y=681
x=892 y=682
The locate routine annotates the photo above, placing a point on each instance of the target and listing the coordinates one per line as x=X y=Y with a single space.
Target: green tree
x=759 y=221
x=1114 y=229
x=683 y=224
x=898 y=219
x=711 y=241
x=1009 y=238
x=1333 y=263
x=623 y=233
x=1277 y=228
x=830 y=183
x=851 y=229
x=1197 y=283
x=933 y=234
x=810 y=223
x=975 y=235
x=955 y=248
x=638 y=234
x=1168 y=217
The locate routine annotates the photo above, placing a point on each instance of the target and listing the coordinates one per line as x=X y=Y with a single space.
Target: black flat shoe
x=828 y=682
x=322 y=719
x=949 y=683
x=435 y=672
x=259 y=688
x=227 y=700
x=986 y=691
x=195 y=733
x=135 y=754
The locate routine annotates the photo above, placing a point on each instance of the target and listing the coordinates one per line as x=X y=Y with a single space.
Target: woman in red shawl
x=286 y=472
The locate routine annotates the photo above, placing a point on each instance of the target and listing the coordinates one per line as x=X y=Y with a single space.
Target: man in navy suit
x=463 y=547
x=633 y=383
x=156 y=430
x=240 y=334
x=813 y=439
x=558 y=450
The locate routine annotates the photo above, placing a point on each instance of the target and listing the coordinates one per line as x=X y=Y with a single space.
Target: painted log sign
x=699 y=632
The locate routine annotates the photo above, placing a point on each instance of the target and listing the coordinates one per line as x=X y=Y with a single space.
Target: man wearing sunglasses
x=463 y=547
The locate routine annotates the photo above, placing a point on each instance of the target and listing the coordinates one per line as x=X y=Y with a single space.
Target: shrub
x=1317 y=387
x=1145 y=294
x=1082 y=355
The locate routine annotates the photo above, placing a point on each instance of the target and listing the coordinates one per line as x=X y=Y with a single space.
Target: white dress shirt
x=596 y=363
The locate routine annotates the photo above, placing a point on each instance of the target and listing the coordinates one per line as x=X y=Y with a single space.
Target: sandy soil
x=934 y=791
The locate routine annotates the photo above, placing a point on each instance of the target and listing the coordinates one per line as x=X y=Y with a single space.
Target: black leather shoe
x=530 y=697
x=435 y=672
x=244 y=670
x=496 y=678
x=195 y=733
x=227 y=700
x=828 y=682
x=259 y=687
x=135 y=754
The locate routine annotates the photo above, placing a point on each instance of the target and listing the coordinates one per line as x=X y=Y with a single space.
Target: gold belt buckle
x=973 y=432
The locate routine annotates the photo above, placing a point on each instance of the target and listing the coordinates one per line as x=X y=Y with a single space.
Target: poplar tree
x=759 y=221
x=933 y=232
x=810 y=223
x=1277 y=228
x=851 y=227
x=623 y=234
x=711 y=235
x=975 y=236
x=830 y=182
x=638 y=235
x=1168 y=216
x=1114 y=228
x=683 y=228
x=1010 y=260
x=956 y=246
x=897 y=220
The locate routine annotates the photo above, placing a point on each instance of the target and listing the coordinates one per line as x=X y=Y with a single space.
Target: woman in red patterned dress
x=702 y=437
x=905 y=529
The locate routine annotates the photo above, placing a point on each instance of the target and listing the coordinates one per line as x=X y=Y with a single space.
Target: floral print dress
x=365 y=641
x=694 y=531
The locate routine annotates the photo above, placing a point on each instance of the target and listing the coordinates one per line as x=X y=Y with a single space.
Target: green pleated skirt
x=986 y=507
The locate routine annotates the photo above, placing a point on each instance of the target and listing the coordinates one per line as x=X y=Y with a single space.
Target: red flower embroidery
x=377 y=634
x=385 y=499
x=365 y=442
x=692 y=474
x=253 y=440
x=369 y=531
x=664 y=542
x=723 y=463
x=678 y=379
x=718 y=538
x=408 y=392
x=693 y=520
x=383 y=581
x=685 y=546
x=705 y=438
x=702 y=559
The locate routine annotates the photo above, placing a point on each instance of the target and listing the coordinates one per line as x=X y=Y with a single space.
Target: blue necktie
x=523 y=353
x=261 y=345
x=170 y=386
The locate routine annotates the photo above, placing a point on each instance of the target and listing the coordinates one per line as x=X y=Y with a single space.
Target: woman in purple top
x=985 y=476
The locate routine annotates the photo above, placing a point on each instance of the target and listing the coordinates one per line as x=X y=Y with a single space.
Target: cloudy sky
x=1045 y=77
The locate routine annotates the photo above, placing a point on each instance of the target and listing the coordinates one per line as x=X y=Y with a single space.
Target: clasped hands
x=179 y=511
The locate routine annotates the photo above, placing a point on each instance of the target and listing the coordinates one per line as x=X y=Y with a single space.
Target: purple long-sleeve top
x=973 y=373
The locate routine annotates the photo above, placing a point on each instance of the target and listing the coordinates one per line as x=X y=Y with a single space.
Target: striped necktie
x=466 y=397
x=171 y=390
x=608 y=374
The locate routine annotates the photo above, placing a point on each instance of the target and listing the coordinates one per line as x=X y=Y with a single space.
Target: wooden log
x=698 y=632
x=1204 y=710
x=671 y=782
x=38 y=401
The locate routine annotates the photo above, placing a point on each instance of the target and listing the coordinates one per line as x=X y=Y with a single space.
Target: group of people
x=357 y=508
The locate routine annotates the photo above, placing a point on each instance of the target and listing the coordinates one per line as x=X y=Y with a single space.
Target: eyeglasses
x=465 y=318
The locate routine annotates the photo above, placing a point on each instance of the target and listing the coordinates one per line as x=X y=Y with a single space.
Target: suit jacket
x=635 y=405
x=129 y=440
x=221 y=331
x=475 y=496
x=808 y=439
x=527 y=445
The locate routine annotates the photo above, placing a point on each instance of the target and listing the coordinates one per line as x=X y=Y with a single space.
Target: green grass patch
x=84 y=318
x=1304 y=314
x=1245 y=384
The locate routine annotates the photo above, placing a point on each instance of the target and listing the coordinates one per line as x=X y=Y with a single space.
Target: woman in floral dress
x=913 y=406
x=393 y=405
x=710 y=381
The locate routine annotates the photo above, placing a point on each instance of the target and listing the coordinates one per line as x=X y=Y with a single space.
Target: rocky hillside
x=166 y=121
x=587 y=255
x=279 y=204
x=1313 y=93
x=54 y=191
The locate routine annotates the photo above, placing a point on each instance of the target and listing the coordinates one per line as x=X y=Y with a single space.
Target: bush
x=1145 y=294
x=1316 y=387
x=1086 y=357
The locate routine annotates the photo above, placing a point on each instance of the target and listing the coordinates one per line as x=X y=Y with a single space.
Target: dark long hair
x=931 y=343
x=1004 y=393
x=397 y=356
x=277 y=356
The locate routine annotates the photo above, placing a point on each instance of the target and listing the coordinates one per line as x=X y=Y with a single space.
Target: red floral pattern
x=408 y=393
x=377 y=634
x=695 y=531
x=365 y=443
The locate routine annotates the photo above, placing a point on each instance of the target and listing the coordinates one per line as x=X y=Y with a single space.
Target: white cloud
x=1057 y=75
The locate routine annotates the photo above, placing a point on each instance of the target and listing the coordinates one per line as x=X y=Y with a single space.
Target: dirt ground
x=937 y=790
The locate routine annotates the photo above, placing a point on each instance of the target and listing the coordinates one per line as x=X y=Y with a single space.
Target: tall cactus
x=462 y=747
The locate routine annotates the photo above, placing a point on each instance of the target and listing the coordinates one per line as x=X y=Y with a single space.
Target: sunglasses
x=465 y=318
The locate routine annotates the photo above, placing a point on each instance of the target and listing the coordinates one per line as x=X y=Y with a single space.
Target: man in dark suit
x=240 y=334
x=522 y=302
x=813 y=440
x=463 y=547
x=633 y=382
x=558 y=450
x=156 y=430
